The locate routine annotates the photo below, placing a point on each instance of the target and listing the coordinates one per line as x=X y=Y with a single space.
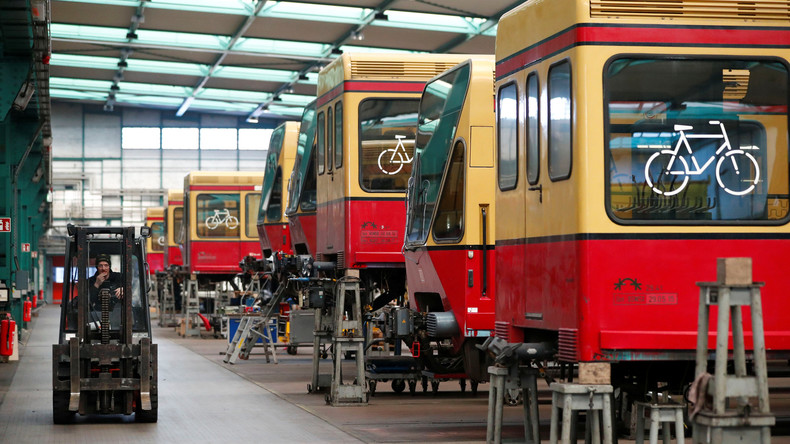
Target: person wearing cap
x=104 y=278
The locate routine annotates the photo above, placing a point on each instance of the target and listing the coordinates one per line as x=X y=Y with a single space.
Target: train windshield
x=301 y=188
x=157 y=237
x=271 y=177
x=697 y=141
x=178 y=221
x=440 y=109
x=386 y=143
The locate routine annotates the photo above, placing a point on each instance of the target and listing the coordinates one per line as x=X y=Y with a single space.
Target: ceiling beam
x=376 y=13
x=485 y=26
x=235 y=38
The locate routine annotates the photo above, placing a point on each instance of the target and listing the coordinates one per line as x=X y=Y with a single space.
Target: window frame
x=514 y=84
x=567 y=174
x=435 y=215
x=528 y=130
x=320 y=155
x=338 y=145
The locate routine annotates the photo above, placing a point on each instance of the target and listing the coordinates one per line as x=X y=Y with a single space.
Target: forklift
x=104 y=361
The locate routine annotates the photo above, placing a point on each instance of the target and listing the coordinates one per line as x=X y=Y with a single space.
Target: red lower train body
x=302 y=229
x=368 y=232
x=275 y=237
x=217 y=257
x=156 y=262
x=174 y=256
x=631 y=298
x=450 y=274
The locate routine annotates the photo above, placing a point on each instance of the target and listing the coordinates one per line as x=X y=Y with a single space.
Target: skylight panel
x=315 y=12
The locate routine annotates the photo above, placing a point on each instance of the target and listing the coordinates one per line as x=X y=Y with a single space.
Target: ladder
x=253 y=326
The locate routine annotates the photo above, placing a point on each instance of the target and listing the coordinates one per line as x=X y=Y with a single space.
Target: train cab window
x=507 y=137
x=321 y=157
x=449 y=221
x=251 y=202
x=387 y=128
x=338 y=145
x=217 y=215
x=274 y=208
x=560 y=125
x=178 y=222
x=307 y=198
x=533 y=130
x=330 y=125
x=697 y=141
x=157 y=237
x=436 y=169
x=299 y=194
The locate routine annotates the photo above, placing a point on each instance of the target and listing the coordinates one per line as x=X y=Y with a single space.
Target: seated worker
x=104 y=278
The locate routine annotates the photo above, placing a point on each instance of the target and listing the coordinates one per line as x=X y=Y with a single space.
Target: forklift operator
x=104 y=278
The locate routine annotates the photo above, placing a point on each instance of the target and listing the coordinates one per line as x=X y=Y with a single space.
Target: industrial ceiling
x=245 y=57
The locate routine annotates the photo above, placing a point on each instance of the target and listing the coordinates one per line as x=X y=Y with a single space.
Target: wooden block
x=734 y=270
x=595 y=373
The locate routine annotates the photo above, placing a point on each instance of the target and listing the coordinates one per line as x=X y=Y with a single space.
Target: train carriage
x=273 y=228
x=173 y=219
x=300 y=208
x=636 y=145
x=155 y=244
x=366 y=124
x=450 y=216
x=220 y=214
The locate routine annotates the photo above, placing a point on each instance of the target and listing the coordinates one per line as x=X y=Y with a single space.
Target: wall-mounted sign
x=5 y=224
x=25 y=248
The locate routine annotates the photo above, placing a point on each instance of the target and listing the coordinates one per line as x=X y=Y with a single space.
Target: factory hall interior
x=395 y=221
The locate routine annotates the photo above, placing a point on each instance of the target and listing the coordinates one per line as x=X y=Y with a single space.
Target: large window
x=251 y=203
x=533 y=130
x=140 y=138
x=180 y=138
x=507 y=136
x=560 y=125
x=697 y=141
x=218 y=215
x=440 y=109
x=386 y=143
x=218 y=138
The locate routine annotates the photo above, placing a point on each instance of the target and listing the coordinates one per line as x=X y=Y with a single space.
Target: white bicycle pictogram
x=672 y=179
x=222 y=217
x=394 y=163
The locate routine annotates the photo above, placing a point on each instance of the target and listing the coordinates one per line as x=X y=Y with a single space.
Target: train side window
x=321 y=154
x=330 y=125
x=507 y=137
x=338 y=135
x=217 y=215
x=560 y=124
x=449 y=222
x=274 y=209
x=251 y=201
x=533 y=130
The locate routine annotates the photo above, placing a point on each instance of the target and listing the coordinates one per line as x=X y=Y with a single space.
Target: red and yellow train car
x=366 y=123
x=273 y=228
x=155 y=244
x=220 y=214
x=449 y=247
x=174 y=218
x=636 y=145
x=300 y=208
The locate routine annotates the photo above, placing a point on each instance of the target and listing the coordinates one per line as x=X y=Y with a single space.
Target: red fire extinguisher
x=35 y=301
x=7 y=332
x=27 y=309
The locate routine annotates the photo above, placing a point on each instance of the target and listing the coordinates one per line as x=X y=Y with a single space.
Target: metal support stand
x=743 y=423
x=191 y=309
x=167 y=305
x=348 y=337
x=661 y=414
x=510 y=378
x=593 y=398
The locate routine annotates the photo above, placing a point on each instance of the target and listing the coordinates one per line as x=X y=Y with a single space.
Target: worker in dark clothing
x=104 y=278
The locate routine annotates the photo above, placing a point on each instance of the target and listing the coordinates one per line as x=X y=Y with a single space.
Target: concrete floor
x=202 y=398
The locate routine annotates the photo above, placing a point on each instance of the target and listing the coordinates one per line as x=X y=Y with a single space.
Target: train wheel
x=291 y=349
x=60 y=408
x=398 y=385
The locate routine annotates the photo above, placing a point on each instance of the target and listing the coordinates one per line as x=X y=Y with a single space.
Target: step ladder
x=733 y=290
x=348 y=337
x=254 y=326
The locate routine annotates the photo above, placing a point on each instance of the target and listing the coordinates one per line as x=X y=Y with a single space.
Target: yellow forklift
x=104 y=361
